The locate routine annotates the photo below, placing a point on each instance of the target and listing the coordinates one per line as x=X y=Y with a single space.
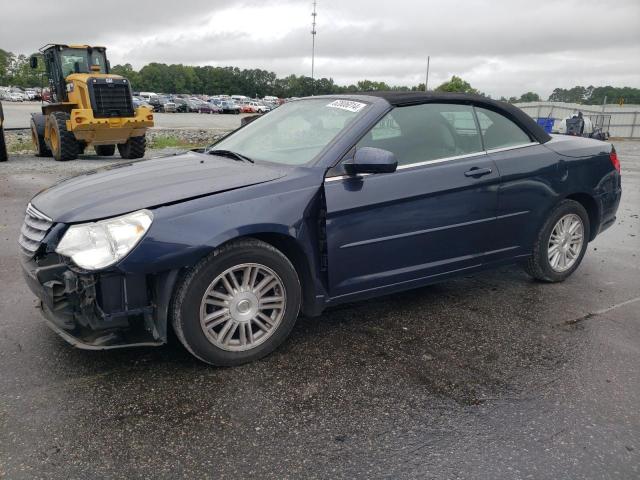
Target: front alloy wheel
x=238 y=304
x=242 y=307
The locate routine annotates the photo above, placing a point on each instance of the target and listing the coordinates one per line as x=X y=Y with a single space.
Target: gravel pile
x=193 y=136
x=22 y=138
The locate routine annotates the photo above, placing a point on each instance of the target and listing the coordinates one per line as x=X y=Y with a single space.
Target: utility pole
x=313 y=39
x=426 y=82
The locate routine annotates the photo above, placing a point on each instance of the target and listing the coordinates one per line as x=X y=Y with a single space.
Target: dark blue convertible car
x=322 y=201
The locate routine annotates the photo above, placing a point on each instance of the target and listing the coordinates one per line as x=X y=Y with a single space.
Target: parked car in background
x=168 y=106
x=246 y=108
x=240 y=99
x=16 y=97
x=217 y=102
x=181 y=104
x=194 y=104
x=259 y=107
x=326 y=200
x=162 y=104
x=229 y=106
x=206 y=107
x=147 y=96
x=275 y=101
x=154 y=101
x=139 y=102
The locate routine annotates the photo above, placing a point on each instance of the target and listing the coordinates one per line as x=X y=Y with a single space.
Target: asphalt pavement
x=489 y=376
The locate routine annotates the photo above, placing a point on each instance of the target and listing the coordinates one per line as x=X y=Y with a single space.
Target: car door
x=530 y=179
x=434 y=215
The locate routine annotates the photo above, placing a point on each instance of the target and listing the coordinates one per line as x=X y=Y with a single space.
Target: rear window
x=498 y=131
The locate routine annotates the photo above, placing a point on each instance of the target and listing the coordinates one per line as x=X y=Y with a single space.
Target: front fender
x=183 y=233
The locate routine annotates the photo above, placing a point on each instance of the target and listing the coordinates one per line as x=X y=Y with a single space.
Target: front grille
x=35 y=227
x=112 y=99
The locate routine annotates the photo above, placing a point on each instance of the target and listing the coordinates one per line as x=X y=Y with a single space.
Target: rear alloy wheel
x=39 y=144
x=63 y=143
x=561 y=243
x=105 y=150
x=565 y=242
x=133 y=148
x=238 y=304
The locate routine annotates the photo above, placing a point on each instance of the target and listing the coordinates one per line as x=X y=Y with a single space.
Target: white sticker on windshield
x=348 y=105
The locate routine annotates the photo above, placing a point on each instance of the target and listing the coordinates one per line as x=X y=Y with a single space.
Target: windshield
x=79 y=60
x=294 y=133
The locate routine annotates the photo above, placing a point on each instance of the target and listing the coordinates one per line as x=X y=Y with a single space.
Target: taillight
x=613 y=156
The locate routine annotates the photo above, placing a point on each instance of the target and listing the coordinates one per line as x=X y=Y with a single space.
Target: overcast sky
x=502 y=47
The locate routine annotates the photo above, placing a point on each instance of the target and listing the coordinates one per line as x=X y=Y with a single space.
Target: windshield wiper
x=230 y=154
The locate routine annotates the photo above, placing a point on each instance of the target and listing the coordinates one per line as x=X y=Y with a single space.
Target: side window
x=498 y=131
x=419 y=133
x=386 y=128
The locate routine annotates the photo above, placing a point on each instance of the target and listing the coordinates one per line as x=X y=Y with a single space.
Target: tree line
x=209 y=80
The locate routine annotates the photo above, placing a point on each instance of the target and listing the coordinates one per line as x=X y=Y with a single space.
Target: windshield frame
x=345 y=131
x=88 y=55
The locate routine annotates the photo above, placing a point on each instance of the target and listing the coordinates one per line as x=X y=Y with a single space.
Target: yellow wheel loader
x=90 y=107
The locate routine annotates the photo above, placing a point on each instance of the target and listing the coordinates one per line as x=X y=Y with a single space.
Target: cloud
x=501 y=47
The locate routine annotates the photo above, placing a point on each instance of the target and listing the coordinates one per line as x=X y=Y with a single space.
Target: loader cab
x=63 y=60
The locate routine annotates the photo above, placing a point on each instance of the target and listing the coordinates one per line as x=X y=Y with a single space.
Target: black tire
x=133 y=148
x=3 y=147
x=105 y=150
x=188 y=297
x=39 y=145
x=538 y=265
x=66 y=147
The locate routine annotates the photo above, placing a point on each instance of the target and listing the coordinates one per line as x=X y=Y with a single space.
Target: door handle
x=477 y=172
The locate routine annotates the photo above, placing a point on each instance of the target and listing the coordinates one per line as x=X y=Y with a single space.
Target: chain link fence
x=624 y=119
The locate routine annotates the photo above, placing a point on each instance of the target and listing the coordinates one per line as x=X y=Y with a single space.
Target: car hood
x=126 y=187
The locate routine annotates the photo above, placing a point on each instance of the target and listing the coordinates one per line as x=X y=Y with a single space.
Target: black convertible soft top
x=400 y=99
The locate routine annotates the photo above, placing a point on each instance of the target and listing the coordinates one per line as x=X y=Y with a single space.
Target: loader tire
x=62 y=142
x=3 y=146
x=105 y=150
x=133 y=148
x=39 y=145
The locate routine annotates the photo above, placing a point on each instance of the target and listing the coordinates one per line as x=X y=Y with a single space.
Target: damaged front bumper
x=98 y=311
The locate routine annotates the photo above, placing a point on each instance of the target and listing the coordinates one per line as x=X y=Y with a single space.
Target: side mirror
x=33 y=62
x=371 y=160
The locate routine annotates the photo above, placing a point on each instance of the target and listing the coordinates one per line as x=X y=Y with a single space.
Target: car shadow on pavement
x=467 y=340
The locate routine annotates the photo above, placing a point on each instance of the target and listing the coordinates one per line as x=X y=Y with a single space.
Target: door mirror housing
x=371 y=160
x=33 y=61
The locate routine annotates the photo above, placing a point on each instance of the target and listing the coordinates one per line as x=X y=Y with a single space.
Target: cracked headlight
x=100 y=244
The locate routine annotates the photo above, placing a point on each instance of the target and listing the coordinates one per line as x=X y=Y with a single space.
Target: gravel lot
x=487 y=376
